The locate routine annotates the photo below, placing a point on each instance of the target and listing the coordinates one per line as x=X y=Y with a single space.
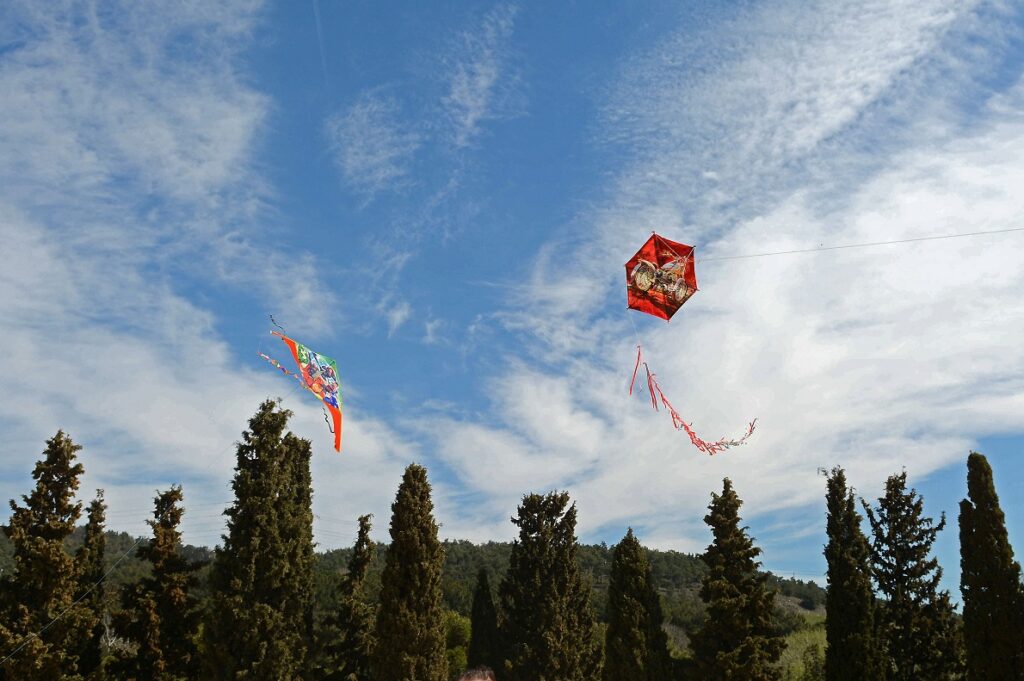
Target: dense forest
x=78 y=601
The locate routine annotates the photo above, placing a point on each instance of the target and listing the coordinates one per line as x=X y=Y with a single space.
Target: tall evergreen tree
x=91 y=589
x=852 y=653
x=160 y=616
x=737 y=639
x=258 y=620
x=485 y=647
x=41 y=631
x=550 y=628
x=916 y=620
x=411 y=618
x=990 y=582
x=296 y=523
x=350 y=645
x=636 y=646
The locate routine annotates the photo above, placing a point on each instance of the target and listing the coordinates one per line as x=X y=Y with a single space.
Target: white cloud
x=875 y=359
x=476 y=92
x=372 y=145
x=432 y=331
x=398 y=315
x=130 y=166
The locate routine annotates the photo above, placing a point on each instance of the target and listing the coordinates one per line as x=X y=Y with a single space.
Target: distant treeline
x=78 y=602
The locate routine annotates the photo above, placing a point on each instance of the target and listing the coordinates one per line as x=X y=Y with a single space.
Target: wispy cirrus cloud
x=373 y=143
x=785 y=126
x=479 y=75
x=130 y=178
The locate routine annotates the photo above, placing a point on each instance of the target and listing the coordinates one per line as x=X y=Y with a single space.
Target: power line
x=863 y=245
x=76 y=602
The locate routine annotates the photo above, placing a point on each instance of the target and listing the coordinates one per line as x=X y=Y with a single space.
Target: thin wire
x=864 y=245
x=77 y=601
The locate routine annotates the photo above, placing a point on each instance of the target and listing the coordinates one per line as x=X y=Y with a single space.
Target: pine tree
x=160 y=616
x=990 y=582
x=916 y=621
x=411 y=619
x=258 y=621
x=42 y=589
x=347 y=652
x=484 y=644
x=737 y=639
x=636 y=646
x=91 y=588
x=852 y=653
x=550 y=628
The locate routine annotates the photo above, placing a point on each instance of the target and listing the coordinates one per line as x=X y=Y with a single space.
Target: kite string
x=76 y=602
x=866 y=244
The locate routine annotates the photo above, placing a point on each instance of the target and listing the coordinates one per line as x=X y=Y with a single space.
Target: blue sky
x=442 y=196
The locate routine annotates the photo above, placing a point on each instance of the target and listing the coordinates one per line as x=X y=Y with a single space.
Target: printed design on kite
x=660 y=277
x=320 y=374
x=669 y=279
x=709 y=448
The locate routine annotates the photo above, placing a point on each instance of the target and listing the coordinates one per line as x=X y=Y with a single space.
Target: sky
x=442 y=196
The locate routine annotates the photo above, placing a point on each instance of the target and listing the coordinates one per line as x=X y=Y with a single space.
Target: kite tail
x=709 y=448
x=277 y=364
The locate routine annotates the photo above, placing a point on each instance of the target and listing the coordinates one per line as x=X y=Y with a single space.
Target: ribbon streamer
x=709 y=448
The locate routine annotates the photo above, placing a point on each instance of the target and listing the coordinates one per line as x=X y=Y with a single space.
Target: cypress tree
x=484 y=643
x=411 y=619
x=852 y=653
x=636 y=646
x=990 y=582
x=42 y=588
x=296 y=519
x=91 y=588
x=347 y=652
x=550 y=628
x=160 y=615
x=916 y=620
x=258 y=623
x=737 y=639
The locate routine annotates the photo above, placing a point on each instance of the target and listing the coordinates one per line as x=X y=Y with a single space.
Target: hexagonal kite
x=660 y=277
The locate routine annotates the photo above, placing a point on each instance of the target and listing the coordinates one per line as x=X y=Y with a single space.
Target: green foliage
x=852 y=653
x=916 y=621
x=738 y=639
x=813 y=664
x=160 y=616
x=485 y=645
x=45 y=578
x=410 y=621
x=91 y=588
x=259 y=619
x=348 y=640
x=811 y=634
x=549 y=622
x=676 y=576
x=989 y=582
x=457 y=637
x=636 y=646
